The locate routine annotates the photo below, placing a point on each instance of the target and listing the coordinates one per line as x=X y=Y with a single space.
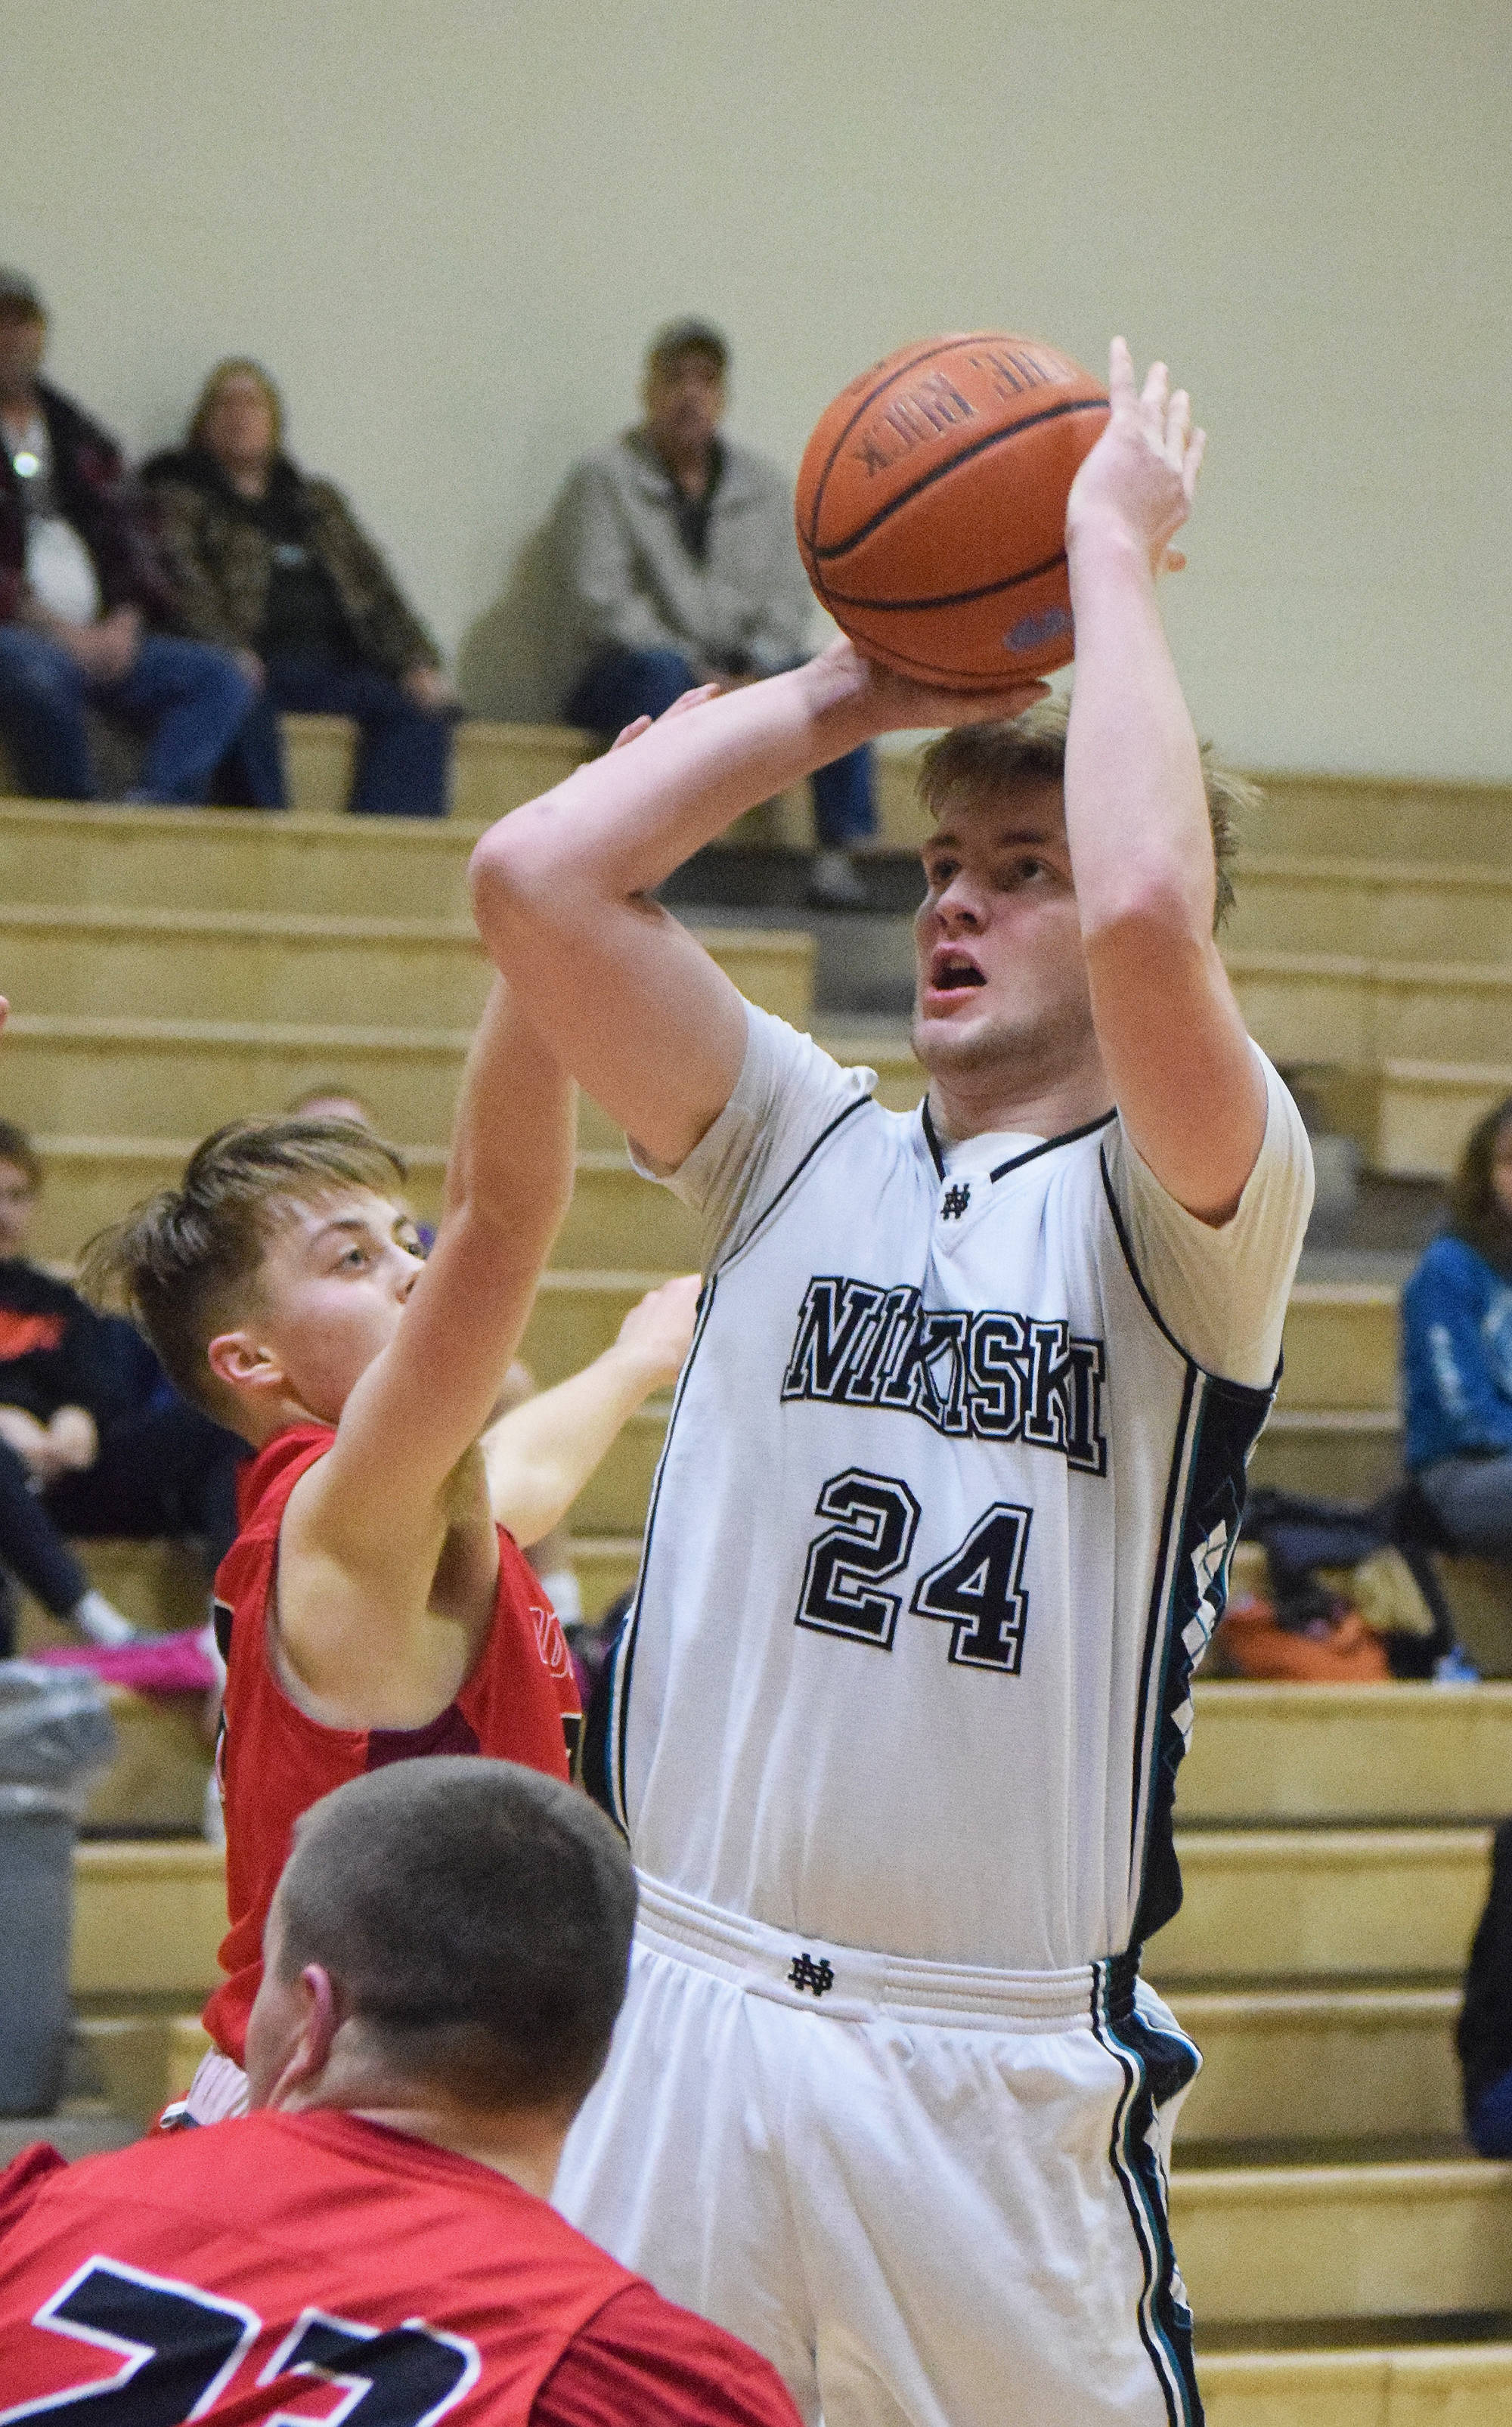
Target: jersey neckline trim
x=1015 y=1162
x=1046 y=1146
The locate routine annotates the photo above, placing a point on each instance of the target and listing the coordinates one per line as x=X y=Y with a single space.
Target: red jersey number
x=180 y=2349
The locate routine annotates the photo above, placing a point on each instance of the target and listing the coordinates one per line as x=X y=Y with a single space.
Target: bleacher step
x=1385 y=910
x=147 y=1918
x=1286 y=1905
x=1321 y=2064
x=1402 y=818
x=1335 y=1007
x=1356 y=2240
x=142 y=2061
x=1261 y=1906
x=1339 y=1346
x=1451 y=2384
x=1347 y=1754
x=1330 y=1453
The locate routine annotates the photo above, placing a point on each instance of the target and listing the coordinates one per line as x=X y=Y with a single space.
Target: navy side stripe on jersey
x=1220 y=1423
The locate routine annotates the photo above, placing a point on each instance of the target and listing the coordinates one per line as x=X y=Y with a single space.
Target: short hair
x=235 y=366
x=16 y=1147
x=185 y=1263
x=475 y=1919
x=689 y=336
x=19 y=301
x=973 y=759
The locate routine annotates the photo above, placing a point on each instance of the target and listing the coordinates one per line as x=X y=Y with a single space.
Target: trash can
x=56 y=1734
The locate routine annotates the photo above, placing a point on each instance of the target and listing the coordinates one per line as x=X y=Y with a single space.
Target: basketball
x=931 y=506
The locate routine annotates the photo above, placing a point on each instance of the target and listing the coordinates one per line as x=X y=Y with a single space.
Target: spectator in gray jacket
x=676 y=564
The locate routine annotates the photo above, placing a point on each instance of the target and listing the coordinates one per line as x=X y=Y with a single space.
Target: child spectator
x=95 y=1440
x=1456 y=1350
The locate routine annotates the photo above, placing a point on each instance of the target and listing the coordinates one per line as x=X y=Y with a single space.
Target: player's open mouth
x=951 y=973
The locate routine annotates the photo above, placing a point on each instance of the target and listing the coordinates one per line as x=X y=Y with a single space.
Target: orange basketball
x=931 y=506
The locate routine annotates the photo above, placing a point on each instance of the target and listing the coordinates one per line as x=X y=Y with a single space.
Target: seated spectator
x=274 y=565
x=676 y=564
x=79 y=580
x=1483 y=2034
x=444 y=1958
x=1457 y=1351
x=94 y=1439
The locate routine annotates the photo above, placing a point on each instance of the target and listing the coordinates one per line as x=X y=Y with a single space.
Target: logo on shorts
x=806 y=1974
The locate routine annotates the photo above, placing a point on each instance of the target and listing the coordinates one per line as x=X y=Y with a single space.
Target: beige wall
x=447 y=225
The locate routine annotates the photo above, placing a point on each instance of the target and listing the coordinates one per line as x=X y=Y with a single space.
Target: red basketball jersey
x=261 y=2269
x=520 y=1703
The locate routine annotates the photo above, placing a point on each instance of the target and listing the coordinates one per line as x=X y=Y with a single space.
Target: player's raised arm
x=539 y=1455
x=1171 y=1039
x=562 y=887
x=426 y=1398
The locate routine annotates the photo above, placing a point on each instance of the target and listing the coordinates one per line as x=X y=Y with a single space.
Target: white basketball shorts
x=932 y=2195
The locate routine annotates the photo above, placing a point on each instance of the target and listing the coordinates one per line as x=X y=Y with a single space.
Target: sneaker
x=834 y=884
x=1454 y=1670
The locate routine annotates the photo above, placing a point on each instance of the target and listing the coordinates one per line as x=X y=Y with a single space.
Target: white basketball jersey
x=942 y=1523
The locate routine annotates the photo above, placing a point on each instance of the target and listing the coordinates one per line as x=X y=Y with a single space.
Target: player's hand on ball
x=1141 y=475
x=894 y=703
x=685 y=700
x=657 y=1332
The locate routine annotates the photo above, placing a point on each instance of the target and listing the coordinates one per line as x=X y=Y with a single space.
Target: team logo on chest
x=987 y=1376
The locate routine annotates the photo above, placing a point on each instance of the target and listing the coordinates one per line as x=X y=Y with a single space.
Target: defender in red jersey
x=376 y=1609
x=446 y=1957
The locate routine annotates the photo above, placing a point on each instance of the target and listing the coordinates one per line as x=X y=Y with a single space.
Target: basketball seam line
x=968 y=455
x=956 y=598
x=942 y=346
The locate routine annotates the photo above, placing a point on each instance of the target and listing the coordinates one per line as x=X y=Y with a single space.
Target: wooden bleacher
x=170 y=970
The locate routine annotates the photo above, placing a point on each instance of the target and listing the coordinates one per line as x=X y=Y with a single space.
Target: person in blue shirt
x=1456 y=1350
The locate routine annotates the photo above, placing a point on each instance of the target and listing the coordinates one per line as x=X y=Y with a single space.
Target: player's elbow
x=511 y=875
x=1156 y=908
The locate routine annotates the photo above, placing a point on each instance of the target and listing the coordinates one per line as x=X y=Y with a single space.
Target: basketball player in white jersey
x=943 y=1521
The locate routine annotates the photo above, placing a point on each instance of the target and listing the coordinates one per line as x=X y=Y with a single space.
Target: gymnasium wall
x=446 y=226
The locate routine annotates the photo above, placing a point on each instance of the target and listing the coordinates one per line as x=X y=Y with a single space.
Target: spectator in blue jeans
x=79 y=580
x=676 y=563
x=274 y=565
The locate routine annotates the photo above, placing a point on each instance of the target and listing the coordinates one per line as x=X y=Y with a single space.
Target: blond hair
x=235 y=366
x=184 y=1264
x=975 y=759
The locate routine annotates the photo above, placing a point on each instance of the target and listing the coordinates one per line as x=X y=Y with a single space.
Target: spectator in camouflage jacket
x=274 y=565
